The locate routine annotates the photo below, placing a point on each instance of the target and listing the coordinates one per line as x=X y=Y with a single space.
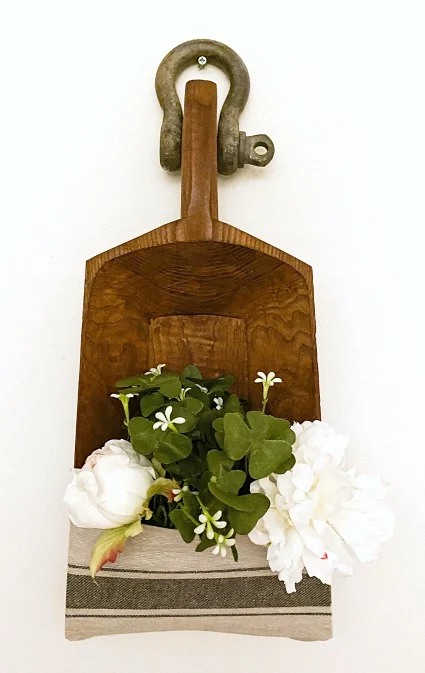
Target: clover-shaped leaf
x=194 y=405
x=151 y=403
x=244 y=522
x=169 y=384
x=233 y=405
x=143 y=437
x=266 y=440
x=206 y=423
x=190 y=419
x=231 y=481
x=172 y=447
x=218 y=459
x=243 y=511
x=188 y=374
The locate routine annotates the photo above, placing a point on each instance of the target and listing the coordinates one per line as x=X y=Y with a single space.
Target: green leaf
x=218 y=425
x=233 y=405
x=286 y=466
x=143 y=437
x=259 y=423
x=205 y=543
x=169 y=385
x=269 y=427
x=190 y=466
x=267 y=456
x=217 y=459
x=191 y=504
x=183 y=524
x=172 y=447
x=244 y=522
x=244 y=503
x=231 y=481
x=206 y=421
x=175 y=470
x=194 y=405
x=190 y=372
x=266 y=440
x=190 y=420
x=150 y=403
x=134 y=390
x=111 y=543
x=197 y=394
x=237 y=436
x=141 y=382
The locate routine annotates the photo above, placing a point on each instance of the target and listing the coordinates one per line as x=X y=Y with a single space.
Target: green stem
x=202 y=506
x=265 y=397
x=173 y=428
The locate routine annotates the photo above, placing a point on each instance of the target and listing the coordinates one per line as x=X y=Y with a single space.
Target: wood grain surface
x=196 y=291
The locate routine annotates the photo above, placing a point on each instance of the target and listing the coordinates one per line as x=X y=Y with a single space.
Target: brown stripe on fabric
x=225 y=592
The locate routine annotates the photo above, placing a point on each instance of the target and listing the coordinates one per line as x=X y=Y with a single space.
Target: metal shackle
x=234 y=148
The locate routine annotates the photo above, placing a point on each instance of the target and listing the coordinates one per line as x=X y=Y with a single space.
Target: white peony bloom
x=111 y=487
x=322 y=517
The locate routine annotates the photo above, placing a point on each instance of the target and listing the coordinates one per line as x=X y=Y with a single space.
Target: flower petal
x=179 y=420
x=220 y=524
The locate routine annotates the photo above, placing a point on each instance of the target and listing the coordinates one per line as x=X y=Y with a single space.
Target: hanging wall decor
x=207 y=493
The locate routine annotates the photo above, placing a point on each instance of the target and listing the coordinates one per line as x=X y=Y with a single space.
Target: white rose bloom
x=322 y=517
x=111 y=487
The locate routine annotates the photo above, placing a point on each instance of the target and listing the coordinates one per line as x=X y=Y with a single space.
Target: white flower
x=267 y=379
x=218 y=401
x=178 y=493
x=111 y=488
x=118 y=395
x=207 y=523
x=165 y=421
x=183 y=393
x=155 y=371
x=201 y=388
x=223 y=543
x=322 y=517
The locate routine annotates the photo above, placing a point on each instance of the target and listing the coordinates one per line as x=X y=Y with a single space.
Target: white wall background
x=339 y=87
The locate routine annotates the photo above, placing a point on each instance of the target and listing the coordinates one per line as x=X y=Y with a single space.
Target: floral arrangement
x=200 y=461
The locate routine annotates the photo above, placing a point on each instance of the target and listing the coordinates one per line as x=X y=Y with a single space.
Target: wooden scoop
x=196 y=291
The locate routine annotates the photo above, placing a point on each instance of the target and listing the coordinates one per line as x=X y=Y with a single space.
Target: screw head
x=202 y=61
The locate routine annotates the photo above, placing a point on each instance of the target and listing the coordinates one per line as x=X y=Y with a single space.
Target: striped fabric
x=159 y=583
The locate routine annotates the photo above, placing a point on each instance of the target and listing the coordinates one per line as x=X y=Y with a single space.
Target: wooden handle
x=199 y=153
